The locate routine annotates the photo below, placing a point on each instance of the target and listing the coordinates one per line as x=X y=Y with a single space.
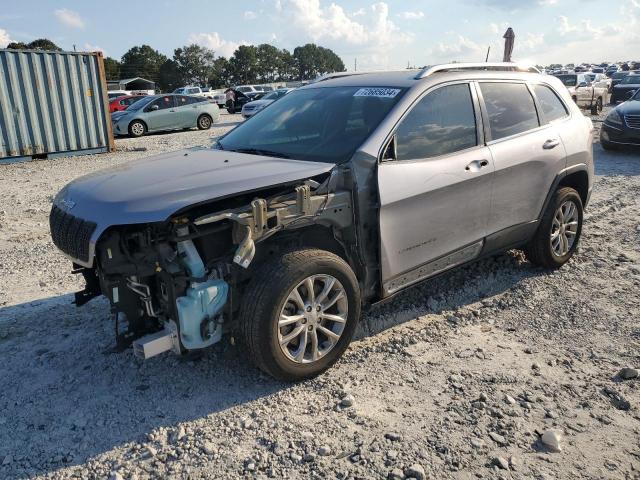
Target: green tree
x=268 y=63
x=17 y=46
x=169 y=77
x=142 y=61
x=220 y=73
x=39 y=44
x=243 y=65
x=43 y=44
x=312 y=60
x=287 y=69
x=194 y=63
x=111 y=68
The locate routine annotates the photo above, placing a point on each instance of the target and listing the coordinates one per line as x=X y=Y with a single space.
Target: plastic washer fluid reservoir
x=202 y=301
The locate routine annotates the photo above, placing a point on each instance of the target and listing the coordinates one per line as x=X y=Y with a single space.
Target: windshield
x=141 y=103
x=179 y=90
x=618 y=75
x=315 y=124
x=631 y=79
x=569 y=80
x=273 y=95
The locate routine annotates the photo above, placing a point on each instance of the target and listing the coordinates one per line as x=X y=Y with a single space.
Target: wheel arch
x=577 y=178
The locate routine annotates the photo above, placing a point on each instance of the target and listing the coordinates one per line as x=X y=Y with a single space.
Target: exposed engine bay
x=177 y=284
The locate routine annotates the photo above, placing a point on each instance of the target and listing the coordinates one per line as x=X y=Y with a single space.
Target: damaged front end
x=178 y=283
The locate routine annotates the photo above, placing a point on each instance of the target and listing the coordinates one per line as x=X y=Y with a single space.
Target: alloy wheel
x=312 y=318
x=564 y=228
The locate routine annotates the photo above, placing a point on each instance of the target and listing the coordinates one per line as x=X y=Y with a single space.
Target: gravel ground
x=497 y=370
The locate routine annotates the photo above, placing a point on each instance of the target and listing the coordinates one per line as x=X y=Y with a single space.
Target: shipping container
x=52 y=104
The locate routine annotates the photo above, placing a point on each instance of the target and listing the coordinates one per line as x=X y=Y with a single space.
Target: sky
x=375 y=35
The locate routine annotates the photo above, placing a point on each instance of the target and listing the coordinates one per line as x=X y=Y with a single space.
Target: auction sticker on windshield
x=377 y=92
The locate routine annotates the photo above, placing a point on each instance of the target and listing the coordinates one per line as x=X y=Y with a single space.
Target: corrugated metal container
x=52 y=104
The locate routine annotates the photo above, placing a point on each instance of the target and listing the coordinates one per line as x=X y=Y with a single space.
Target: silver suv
x=338 y=196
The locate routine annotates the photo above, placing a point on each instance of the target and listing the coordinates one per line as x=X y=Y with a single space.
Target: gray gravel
x=460 y=377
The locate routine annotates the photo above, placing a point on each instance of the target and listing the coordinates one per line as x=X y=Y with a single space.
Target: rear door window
x=551 y=105
x=442 y=122
x=510 y=108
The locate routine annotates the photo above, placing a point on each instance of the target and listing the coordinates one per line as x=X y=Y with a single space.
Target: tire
x=268 y=296
x=613 y=100
x=608 y=146
x=597 y=108
x=137 y=128
x=204 y=122
x=540 y=250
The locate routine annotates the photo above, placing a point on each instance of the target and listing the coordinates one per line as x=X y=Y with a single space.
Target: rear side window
x=442 y=122
x=551 y=105
x=510 y=107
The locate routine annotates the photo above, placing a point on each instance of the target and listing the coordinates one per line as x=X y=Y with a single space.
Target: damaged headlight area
x=177 y=284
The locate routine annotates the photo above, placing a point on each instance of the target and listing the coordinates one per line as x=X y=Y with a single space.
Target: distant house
x=133 y=86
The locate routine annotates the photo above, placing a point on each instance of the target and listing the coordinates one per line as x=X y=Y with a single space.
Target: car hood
x=154 y=188
x=630 y=107
x=259 y=103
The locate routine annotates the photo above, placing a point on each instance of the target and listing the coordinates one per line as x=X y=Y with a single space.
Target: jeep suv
x=340 y=195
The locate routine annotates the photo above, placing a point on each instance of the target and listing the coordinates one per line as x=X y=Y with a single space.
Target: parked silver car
x=251 y=108
x=165 y=112
x=339 y=195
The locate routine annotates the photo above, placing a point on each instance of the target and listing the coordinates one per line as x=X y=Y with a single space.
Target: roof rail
x=498 y=67
x=329 y=76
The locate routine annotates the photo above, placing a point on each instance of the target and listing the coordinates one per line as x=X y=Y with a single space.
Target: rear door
x=527 y=152
x=435 y=187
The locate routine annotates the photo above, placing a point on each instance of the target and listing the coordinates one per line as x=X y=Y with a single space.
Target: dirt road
x=456 y=378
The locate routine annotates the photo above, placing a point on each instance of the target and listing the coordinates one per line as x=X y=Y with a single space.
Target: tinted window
x=569 y=80
x=510 y=107
x=442 y=122
x=319 y=124
x=551 y=105
x=162 y=103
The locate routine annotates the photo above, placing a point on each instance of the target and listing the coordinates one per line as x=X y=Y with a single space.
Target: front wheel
x=137 y=128
x=299 y=313
x=558 y=234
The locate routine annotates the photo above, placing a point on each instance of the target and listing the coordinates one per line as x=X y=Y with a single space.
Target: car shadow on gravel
x=65 y=401
x=625 y=161
x=451 y=291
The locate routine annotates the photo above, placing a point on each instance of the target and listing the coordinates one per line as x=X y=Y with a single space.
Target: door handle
x=549 y=144
x=476 y=165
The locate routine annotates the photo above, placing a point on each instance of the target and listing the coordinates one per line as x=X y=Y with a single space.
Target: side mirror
x=154 y=108
x=583 y=84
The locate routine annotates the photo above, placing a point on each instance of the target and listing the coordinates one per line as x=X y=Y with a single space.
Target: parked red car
x=123 y=102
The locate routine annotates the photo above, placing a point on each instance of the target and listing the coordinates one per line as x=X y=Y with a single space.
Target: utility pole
x=488 y=50
x=355 y=64
x=74 y=47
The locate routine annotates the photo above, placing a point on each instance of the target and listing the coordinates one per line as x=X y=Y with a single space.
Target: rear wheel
x=204 y=122
x=558 y=234
x=299 y=313
x=597 y=107
x=137 y=128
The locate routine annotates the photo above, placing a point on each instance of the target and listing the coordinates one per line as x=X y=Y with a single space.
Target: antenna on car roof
x=497 y=67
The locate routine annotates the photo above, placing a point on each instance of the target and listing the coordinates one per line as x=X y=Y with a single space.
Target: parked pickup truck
x=194 y=91
x=584 y=92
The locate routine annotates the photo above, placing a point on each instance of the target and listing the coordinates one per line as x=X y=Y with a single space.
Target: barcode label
x=377 y=92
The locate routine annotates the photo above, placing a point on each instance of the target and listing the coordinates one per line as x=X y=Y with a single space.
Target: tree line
x=197 y=65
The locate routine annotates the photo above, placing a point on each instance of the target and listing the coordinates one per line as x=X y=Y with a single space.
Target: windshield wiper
x=259 y=151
